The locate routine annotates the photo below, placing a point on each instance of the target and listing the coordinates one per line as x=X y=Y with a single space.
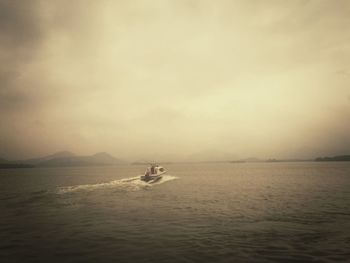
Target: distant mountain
x=91 y=160
x=63 y=158
x=339 y=158
x=35 y=161
x=251 y=160
x=60 y=155
x=5 y=164
x=247 y=160
x=15 y=165
x=271 y=160
x=103 y=157
x=3 y=160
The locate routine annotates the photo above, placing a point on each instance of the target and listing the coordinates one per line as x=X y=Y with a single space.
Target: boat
x=153 y=173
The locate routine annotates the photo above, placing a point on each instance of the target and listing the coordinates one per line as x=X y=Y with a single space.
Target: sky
x=175 y=80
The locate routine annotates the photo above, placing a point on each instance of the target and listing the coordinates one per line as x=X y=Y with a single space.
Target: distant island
x=69 y=159
x=63 y=159
x=271 y=160
x=339 y=158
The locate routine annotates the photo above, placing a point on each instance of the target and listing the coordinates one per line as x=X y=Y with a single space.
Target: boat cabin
x=154 y=169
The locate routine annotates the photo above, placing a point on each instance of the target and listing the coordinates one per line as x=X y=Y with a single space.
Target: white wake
x=132 y=183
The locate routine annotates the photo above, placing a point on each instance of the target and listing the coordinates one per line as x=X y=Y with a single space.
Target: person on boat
x=152 y=169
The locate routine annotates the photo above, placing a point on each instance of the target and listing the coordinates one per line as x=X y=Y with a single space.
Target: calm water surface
x=267 y=212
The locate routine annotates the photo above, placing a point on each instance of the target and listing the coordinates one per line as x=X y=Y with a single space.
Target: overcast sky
x=175 y=80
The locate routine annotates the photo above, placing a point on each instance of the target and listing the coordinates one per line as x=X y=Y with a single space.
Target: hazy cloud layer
x=175 y=79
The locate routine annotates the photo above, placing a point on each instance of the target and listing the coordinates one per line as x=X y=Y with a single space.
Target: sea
x=198 y=212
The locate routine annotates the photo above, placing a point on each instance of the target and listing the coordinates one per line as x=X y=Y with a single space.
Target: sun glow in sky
x=175 y=80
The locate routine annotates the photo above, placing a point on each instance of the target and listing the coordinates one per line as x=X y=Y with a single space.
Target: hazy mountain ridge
x=35 y=161
x=2 y=160
x=338 y=158
x=64 y=159
x=67 y=159
x=90 y=160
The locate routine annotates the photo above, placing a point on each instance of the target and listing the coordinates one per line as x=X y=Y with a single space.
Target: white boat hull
x=152 y=178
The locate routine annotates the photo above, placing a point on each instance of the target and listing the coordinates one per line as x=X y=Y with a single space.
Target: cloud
x=244 y=78
x=19 y=23
x=20 y=37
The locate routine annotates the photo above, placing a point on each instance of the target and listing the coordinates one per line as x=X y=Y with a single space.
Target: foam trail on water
x=165 y=179
x=131 y=183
